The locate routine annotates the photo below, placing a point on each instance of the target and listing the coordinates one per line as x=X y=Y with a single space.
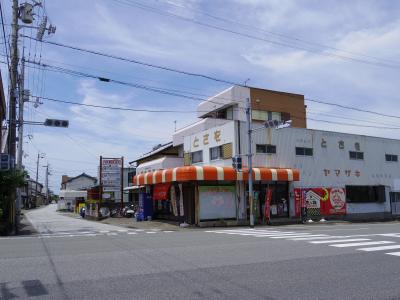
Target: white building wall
x=330 y=166
x=233 y=96
x=80 y=183
x=197 y=142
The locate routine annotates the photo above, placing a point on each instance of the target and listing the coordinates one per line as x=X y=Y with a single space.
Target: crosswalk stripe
x=394 y=253
x=289 y=236
x=339 y=241
x=247 y=232
x=311 y=237
x=389 y=247
x=361 y=244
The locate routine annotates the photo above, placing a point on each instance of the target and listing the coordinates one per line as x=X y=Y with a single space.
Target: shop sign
x=338 y=172
x=160 y=191
x=330 y=201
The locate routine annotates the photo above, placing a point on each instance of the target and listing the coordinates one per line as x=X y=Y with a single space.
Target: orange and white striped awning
x=214 y=173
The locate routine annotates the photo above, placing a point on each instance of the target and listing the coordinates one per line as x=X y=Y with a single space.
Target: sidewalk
x=132 y=223
x=25 y=227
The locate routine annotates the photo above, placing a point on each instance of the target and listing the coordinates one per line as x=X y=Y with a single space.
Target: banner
x=160 y=191
x=330 y=201
x=267 y=207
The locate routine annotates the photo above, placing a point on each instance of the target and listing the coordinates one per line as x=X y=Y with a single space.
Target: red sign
x=160 y=191
x=331 y=201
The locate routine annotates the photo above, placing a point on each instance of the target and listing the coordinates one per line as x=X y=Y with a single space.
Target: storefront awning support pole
x=250 y=161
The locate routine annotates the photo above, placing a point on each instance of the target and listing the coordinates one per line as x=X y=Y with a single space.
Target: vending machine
x=145 y=206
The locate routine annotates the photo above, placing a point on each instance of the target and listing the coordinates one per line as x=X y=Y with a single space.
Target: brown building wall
x=293 y=104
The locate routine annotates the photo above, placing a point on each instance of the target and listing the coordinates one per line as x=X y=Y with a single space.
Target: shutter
x=186 y=159
x=227 y=151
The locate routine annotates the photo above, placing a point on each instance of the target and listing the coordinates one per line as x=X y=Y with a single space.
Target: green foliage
x=9 y=181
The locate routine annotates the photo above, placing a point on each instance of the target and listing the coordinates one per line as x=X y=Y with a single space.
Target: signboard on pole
x=111 y=178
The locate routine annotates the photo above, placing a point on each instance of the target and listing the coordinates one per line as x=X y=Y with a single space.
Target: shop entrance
x=279 y=205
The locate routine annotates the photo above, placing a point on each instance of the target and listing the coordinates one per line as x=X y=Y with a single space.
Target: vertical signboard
x=111 y=175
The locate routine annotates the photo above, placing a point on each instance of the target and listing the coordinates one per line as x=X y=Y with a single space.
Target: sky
x=345 y=52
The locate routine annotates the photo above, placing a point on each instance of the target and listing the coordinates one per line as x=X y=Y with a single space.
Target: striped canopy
x=213 y=173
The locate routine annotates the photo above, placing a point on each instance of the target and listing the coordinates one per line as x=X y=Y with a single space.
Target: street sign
x=7 y=162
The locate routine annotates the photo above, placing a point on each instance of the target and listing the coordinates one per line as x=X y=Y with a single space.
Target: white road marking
x=131 y=232
x=380 y=248
x=290 y=236
x=394 y=253
x=338 y=241
x=390 y=234
x=361 y=244
x=104 y=231
x=151 y=232
x=122 y=230
x=112 y=233
x=311 y=237
x=168 y=231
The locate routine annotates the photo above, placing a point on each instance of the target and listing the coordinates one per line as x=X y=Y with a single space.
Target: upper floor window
x=262 y=148
x=356 y=155
x=197 y=156
x=303 y=151
x=261 y=115
x=216 y=153
x=391 y=157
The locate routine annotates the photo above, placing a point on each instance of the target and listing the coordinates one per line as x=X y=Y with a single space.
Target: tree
x=9 y=181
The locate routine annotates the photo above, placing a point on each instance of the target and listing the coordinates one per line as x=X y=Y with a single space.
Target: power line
x=352 y=108
x=292 y=115
x=280 y=35
x=178 y=93
x=134 y=61
x=169 y=14
x=112 y=107
x=4 y=34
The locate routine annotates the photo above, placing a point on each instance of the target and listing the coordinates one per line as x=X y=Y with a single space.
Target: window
x=365 y=193
x=197 y=156
x=261 y=115
x=356 y=155
x=303 y=151
x=391 y=157
x=216 y=153
x=270 y=149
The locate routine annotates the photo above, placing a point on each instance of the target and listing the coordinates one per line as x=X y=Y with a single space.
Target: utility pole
x=39 y=156
x=47 y=183
x=20 y=140
x=13 y=99
x=250 y=162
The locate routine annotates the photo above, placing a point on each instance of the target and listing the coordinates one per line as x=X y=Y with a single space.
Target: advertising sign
x=111 y=174
x=160 y=191
x=330 y=201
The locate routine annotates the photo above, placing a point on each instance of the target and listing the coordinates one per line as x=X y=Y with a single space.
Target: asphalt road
x=77 y=259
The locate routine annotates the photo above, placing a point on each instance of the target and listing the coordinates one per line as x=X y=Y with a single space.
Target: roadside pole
x=12 y=104
x=250 y=162
x=37 y=177
x=20 y=140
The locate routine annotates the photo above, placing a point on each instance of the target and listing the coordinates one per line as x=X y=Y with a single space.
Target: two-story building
x=333 y=174
x=73 y=191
